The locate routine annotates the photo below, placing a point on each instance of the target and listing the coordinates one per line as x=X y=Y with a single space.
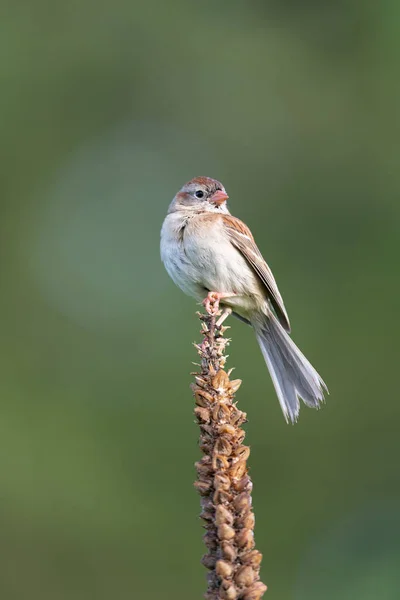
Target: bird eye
x=199 y=194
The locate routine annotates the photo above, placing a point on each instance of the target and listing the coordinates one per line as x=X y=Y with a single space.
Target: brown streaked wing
x=241 y=237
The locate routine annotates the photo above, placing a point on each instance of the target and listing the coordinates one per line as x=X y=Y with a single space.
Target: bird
x=212 y=256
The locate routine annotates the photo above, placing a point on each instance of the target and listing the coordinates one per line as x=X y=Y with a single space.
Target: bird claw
x=211 y=303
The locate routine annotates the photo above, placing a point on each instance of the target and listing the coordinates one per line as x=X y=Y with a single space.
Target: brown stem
x=223 y=481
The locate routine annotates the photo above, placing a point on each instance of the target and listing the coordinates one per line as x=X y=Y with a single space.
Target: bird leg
x=211 y=302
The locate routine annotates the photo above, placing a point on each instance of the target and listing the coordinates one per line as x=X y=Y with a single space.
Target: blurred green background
x=106 y=110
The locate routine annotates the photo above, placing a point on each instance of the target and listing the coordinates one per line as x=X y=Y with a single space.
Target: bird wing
x=241 y=237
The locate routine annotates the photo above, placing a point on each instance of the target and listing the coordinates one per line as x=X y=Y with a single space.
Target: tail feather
x=292 y=374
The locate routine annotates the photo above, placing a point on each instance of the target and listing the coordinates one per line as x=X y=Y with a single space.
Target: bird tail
x=292 y=375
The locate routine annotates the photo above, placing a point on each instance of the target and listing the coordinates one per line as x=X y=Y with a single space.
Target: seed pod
x=247 y=521
x=220 y=381
x=255 y=592
x=223 y=515
x=243 y=484
x=208 y=561
x=203 y=487
x=244 y=576
x=203 y=414
x=238 y=469
x=200 y=381
x=206 y=503
x=242 y=502
x=228 y=594
x=252 y=558
x=245 y=539
x=207 y=515
x=223 y=569
x=221 y=482
x=221 y=497
x=220 y=462
x=210 y=540
x=228 y=550
x=200 y=401
x=204 y=465
x=241 y=434
x=212 y=579
x=227 y=429
x=226 y=532
x=223 y=447
x=206 y=429
x=234 y=385
x=243 y=452
x=205 y=446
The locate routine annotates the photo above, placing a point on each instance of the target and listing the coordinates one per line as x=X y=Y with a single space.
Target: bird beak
x=219 y=197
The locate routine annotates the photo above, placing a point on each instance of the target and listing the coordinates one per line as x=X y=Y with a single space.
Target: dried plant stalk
x=223 y=481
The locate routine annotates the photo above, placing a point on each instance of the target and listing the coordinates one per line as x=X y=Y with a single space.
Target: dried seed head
x=223 y=481
x=223 y=569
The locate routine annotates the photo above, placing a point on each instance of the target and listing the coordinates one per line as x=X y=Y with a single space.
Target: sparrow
x=212 y=256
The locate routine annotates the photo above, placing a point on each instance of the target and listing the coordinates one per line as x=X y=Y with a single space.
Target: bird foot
x=211 y=302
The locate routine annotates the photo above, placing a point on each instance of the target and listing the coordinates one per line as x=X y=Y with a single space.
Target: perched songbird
x=211 y=254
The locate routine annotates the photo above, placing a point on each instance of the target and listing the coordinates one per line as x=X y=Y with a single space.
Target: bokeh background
x=106 y=110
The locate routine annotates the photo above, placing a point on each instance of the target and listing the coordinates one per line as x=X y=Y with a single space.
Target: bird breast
x=200 y=257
